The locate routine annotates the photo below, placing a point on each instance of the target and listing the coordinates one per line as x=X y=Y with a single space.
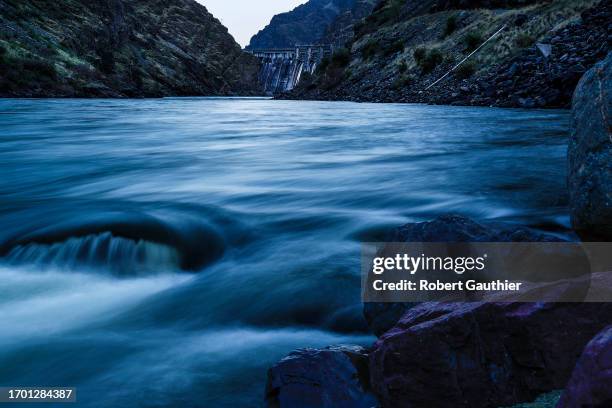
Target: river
x=166 y=252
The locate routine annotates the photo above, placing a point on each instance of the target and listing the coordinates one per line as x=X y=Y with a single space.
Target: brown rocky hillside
x=118 y=48
x=404 y=46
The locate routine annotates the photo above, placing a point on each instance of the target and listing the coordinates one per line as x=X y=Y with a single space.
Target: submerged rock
x=335 y=376
x=590 y=153
x=591 y=382
x=481 y=354
x=456 y=228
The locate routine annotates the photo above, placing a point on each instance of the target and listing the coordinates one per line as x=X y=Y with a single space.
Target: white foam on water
x=98 y=251
x=36 y=304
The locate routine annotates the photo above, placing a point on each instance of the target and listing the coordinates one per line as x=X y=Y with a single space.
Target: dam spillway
x=282 y=68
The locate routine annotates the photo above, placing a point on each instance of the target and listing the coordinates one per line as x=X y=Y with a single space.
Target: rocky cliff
x=118 y=48
x=403 y=47
x=326 y=21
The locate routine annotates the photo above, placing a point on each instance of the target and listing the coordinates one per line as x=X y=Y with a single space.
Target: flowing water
x=166 y=252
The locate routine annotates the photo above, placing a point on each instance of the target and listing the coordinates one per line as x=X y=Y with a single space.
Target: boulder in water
x=321 y=378
x=481 y=354
x=591 y=382
x=590 y=153
x=381 y=317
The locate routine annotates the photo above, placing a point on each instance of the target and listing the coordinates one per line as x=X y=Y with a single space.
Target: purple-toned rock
x=481 y=354
x=591 y=382
x=380 y=317
x=318 y=378
x=590 y=152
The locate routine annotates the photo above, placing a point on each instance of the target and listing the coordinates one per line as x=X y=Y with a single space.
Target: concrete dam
x=282 y=68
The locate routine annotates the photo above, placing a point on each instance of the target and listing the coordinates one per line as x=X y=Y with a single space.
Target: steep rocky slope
x=118 y=48
x=402 y=47
x=312 y=22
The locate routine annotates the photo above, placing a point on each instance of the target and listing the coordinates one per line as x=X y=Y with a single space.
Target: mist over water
x=166 y=252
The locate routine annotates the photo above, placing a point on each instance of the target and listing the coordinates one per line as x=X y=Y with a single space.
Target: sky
x=244 y=18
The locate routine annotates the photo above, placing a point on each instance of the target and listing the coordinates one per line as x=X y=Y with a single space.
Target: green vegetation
x=451 y=26
x=387 y=11
x=428 y=60
x=465 y=70
x=369 y=49
x=419 y=54
x=472 y=40
x=331 y=71
x=402 y=67
x=402 y=81
x=341 y=57
x=394 y=48
x=322 y=65
x=524 y=40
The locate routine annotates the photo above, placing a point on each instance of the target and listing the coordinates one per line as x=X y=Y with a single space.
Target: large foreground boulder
x=333 y=377
x=590 y=153
x=380 y=317
x=481 y=354
x=591 y=382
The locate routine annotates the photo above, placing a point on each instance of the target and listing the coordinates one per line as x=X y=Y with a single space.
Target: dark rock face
x=448 y=228
x=481 y=354
x=467 y=4
x=591 y=382
x=590 y=153
x=318 y=378
x=119 y=48
x=341 y=30
x=306 y=24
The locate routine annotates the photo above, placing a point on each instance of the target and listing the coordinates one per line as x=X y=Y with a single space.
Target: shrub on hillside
x=40 y=68
x=472 y=40
x=451 y=26
x=402 y=81
x=322 y=65
x=419 y=54
x=341 y=57
x=524 y=40
x=369 y=49
x=394 y=48
x=385 y=12
x=430 y=60
x=465 y=70
x=402 y=66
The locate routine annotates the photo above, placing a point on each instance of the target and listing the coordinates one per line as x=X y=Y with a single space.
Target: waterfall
x=98 y=251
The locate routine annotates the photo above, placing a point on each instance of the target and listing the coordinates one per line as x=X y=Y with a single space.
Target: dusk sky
x=244 y=18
